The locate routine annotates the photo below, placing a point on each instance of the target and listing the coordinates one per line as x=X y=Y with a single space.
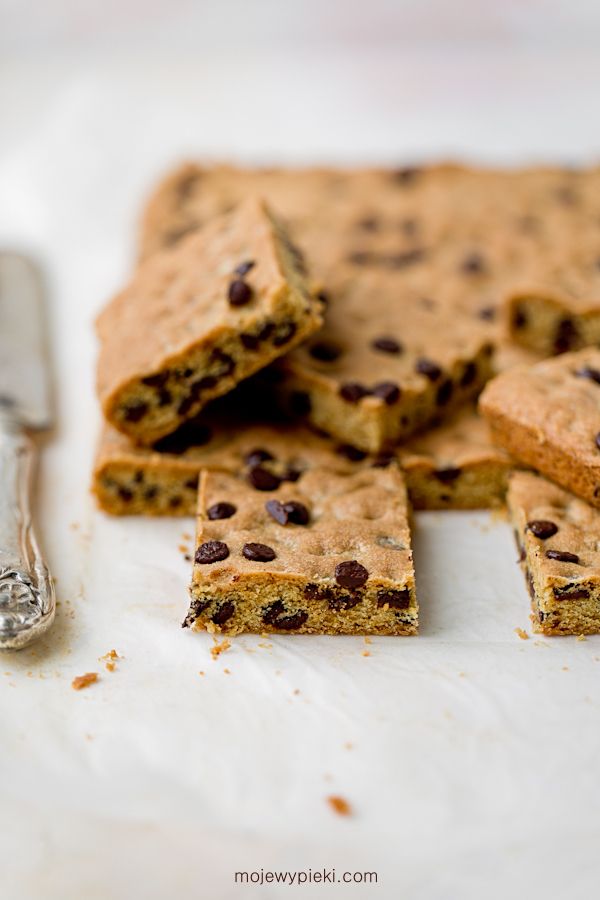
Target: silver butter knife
x=27 y=603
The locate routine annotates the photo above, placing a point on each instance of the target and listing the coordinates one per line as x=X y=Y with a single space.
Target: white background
x=473 y=765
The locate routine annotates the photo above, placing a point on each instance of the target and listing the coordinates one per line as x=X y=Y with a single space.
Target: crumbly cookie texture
x=197 y=319
x=548 y=417
x=326 y=554
x=558 y=536
x=456 y=465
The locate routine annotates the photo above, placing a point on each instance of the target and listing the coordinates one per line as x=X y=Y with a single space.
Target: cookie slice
x=558 y=536
x=456 y=465
x=199 y=318
x=547 y=416
x=326 y=554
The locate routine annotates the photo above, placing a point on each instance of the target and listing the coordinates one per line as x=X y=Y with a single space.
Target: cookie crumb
x=340 y=806
x=368 y=639
x=348 y=745
x=226 y=671
x=109 y=660
x=366 y=653
x=83 y=681
x=522 y=634
x=581 y=637
x=565 y=668
x=201 y=673
x=218 y=648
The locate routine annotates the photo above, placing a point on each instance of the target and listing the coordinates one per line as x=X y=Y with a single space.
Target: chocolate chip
x=157 y=380
x=344 y=601
x=369 y=223
x=221 y=510
x=324 y=297
x=353 y=391
x=202 y=384
x=597 y=440
x=469 y=375
x=387 y=391
x=191 y=483
x=284 y=333
x=299 y=402
x=135 y=411
x=244 y=268
x=223 y=613
x=325 y=351
x=249 y=341
x=176 y=501
x=257 y=456
x=444 y=392
x=563 y=556
x=291 y=511
x=406 y=176
x=151 y=492
x=473 y=264
x=239 y=293
x=542 y=528
x=164 y=397
x=272 y=615
x=314 y=591
x=263 y=480
x=125 y=494
x=588 y=372
x=350 y=452
x=519 y=317
x=351 y=574
x=487 y=313
x=186 y=404
x=571 y=592
x=428 y=368
x=225 y=361
x=258 y=552
x=394 y=599
x=566 y=336
x=448 y=474
x=290 y=474
x=211 y=552
x=387 y=345
x=196 y=608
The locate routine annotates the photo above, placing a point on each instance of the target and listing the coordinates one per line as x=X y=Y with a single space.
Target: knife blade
x=27 y=604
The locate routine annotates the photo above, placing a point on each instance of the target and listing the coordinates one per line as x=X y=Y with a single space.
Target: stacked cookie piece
x=297 y=348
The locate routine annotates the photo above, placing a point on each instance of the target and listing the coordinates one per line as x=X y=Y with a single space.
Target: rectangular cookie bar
x=456 y=465
x=558 y=536
x=197 y=319
x=327 y=554
x=548 y=417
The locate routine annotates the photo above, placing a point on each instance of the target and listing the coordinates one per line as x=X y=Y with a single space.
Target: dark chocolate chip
x=273 y=615
x=428 y=368
x=249 y=341
x=597 y=440
x=125 y=494
x=542 y=528
x=196 y=607
x=469 y=375
x=448 y=474
x=223 y=613
x=138 y=477
x=176 y=501
x=519 y=317
x=314 y=591
x=158 y=380
x=566 y=336
x=151 y=492
x=211 y=552
x=588 y=372
x=350 y=452
x=324 y=297
x=191 y=434
x=135 y=411
x=473 y=264
x=387 y=391
x=164 y=397
x=571 y=592
x=284 y=333
x=244 y=268
x=406 y=176
x=186 y=404
x=257 y=456
x=263 y=480
x=353 y=391
x=239 y=293
x=258 y=552
x=387 y=345
x=350 y=574
x=444 y=392
x=221 y=510
x=325 y=351
x=299 y=402
x=487 y=313
x=394 y=599
x=563 y=556
x=291 y=511
x=191 y=483
x=226 y=363
x=382 y=461
x=290 y=474
x=344 y=601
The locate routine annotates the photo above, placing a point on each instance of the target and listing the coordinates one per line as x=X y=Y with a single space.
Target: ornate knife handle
x=27 y=603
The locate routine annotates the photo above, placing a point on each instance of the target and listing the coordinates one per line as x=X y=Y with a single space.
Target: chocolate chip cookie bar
x=558 y=536
x=456 y=465
x=326 y=554
x=547 y=416
x=197 y=319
